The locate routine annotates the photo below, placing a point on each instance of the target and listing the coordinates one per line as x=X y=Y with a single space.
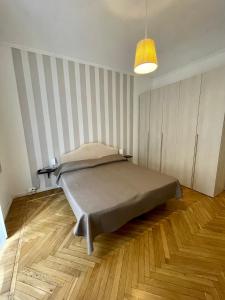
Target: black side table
x=128 y=156
x=47 y=170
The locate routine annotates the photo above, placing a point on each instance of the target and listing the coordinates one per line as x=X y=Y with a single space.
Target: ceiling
x=105 y=32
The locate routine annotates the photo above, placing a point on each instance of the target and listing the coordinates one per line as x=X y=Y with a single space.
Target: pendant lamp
x=145 y=58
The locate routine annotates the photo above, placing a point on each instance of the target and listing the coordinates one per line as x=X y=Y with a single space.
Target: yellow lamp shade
x=145 y=58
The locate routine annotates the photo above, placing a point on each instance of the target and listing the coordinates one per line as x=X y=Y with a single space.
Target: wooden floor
x=175 y=252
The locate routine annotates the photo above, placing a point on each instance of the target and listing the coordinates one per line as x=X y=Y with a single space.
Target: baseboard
x=39 y=194
x=36 y=192
x=6 y=209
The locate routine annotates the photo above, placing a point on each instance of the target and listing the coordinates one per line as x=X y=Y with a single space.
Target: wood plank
x=174 y=252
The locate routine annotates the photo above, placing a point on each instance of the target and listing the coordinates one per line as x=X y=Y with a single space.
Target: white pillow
x=88 y=151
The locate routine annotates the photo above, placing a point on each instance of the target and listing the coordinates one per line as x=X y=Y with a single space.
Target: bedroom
x=111 y=181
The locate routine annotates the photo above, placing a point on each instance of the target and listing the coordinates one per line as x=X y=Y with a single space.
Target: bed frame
x=89 y=151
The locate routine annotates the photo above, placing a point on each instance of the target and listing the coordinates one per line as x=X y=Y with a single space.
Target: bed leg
x=90 y=247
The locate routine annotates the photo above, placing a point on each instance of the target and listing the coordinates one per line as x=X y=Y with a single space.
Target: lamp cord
x=146 y=19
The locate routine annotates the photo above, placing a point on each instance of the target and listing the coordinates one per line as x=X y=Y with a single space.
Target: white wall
x=14 y=175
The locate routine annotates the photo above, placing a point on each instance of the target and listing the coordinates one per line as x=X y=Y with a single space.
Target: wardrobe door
x=220 y=177
x=144 y=102
x=170 y=129
x=186 y=126
x=155 y=130
x=210 y=126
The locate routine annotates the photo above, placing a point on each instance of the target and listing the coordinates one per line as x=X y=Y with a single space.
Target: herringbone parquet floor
x=175 y=252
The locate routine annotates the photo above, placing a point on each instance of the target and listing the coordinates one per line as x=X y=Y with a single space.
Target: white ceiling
x=105 y=32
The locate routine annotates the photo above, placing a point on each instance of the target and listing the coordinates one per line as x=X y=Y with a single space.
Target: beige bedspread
x=106 y=193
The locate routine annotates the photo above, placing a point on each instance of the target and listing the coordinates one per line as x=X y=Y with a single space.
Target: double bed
x=105 y=190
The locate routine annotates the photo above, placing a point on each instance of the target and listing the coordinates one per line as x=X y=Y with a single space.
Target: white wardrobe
x=182 y=131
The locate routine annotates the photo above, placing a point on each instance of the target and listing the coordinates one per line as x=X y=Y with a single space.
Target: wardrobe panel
x=186 y=126
x=170 y=129
x=220 y=178
x=155 y=130
x=144 y=103
x=210 y=126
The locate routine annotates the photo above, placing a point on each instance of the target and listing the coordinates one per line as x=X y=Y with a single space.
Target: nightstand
x=47 y=170
x=128 y=156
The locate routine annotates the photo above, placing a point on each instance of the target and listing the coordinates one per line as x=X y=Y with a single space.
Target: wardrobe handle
x=147 y=149
x=194 y=161
x=161 y=147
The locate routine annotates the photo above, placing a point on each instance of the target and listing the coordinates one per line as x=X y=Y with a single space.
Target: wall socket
x=32 y=190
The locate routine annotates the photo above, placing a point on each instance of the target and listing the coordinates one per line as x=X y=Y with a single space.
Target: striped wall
x=65 y=104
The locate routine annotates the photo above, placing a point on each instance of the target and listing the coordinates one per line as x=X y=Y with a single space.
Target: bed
x=105 y=190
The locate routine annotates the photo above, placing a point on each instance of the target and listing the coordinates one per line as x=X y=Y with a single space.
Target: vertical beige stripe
x=128 y=115
x=125 y=113
x=68 y=103
x=102 y=104
x=57 y=105
x=118 y=109
x=73 y=94
x=79 y=104
x=62 y=102
x=98 y=104
x=121 y=111
x=110 y=107
x=106 y=106
x=84 y=102
x=89 y=110
x=93 y=103
x=131 y=113
x=114 y=108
